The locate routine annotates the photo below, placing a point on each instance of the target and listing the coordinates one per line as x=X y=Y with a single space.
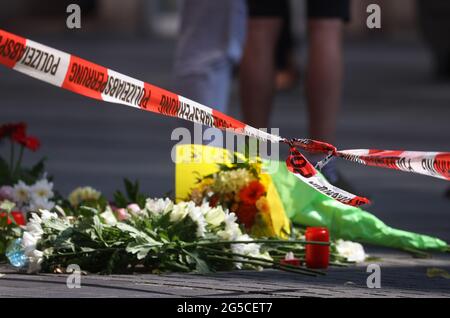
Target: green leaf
x=120 y=200
x=141 y=250
x=135 y=233
x=88 y=211
x=200 y=265
x=98 y=226
x=38 y=169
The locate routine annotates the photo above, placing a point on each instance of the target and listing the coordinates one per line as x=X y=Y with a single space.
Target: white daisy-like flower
x=31 y=237
x=158 y=206
x=37 y=204
x=47 y=215
x=354 y=252
x=34 y=228
x=21 y=193
x=35 y=218
x=196 y=215
x=247 y=249
x=231 y=231
x=42 y=189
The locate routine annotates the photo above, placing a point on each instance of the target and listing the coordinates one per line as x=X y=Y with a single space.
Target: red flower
x=32 y=143
x=13 y=130
x=17 y=216
x=251 y=193
x=18 y=133
x=246 y=214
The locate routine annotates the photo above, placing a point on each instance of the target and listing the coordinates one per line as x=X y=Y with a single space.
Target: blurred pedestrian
x=209 y=47
x=324 y=70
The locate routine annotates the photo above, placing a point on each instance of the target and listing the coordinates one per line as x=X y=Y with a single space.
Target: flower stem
x=19 y=162
x=263 y=264
x=11 y=159
x=281 y=242
x=264 y=260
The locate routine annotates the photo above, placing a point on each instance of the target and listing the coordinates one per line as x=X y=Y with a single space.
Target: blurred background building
x=402 y=20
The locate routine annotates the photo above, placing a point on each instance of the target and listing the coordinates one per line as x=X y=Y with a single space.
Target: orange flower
x=251 y=193
x=246 y=214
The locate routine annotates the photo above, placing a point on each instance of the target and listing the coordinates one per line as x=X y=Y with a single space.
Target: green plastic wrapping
x=306 y=206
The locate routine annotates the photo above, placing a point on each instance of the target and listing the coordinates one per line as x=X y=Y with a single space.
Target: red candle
x=317 y=256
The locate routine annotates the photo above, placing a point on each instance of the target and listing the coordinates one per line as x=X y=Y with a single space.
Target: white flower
x=21 y=193
x=37 y=204
x=42 y=189
x=179 y=212
x=157 y=206
x=196 y=215
x=35 y=219
x=29 y=242
x=354 y=252
x=289 y=256
x=109 y=217
x=215 y=216
x=34 y=228
x=251 y=249
x=47 y=215
x=31 y=237
x=231 y=231
x=247 y=249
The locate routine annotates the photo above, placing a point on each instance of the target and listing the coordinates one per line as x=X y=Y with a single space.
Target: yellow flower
x=83 y=194
x=232 y=181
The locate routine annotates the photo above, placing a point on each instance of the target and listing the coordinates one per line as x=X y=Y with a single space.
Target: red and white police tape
x=95 y=81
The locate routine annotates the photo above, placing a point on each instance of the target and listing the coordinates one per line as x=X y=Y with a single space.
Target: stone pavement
x=401 y=276
x=391 y=101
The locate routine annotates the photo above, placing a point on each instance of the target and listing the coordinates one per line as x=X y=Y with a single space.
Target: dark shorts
x=315 y=8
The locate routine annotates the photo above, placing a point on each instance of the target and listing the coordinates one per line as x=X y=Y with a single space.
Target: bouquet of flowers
x=160 y=236
x=21 y=189
x=239 y=188
x=225 y=224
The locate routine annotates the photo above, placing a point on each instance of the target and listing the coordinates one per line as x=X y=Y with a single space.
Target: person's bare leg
x=257 y=70
x=324 y=84
x=324 y=77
